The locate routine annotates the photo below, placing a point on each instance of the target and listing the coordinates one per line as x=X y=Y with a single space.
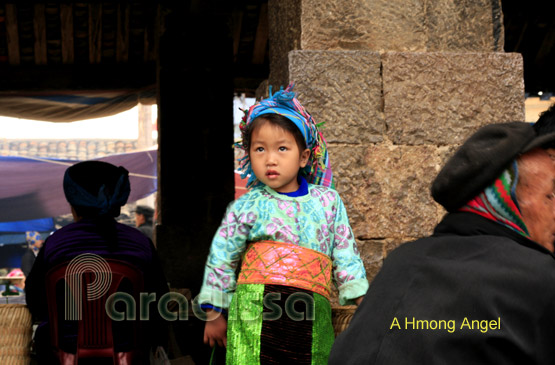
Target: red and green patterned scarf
x=498 y=202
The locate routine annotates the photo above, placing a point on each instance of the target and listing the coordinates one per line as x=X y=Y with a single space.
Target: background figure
x=17 y=285
x=480 y=290
x=34 y=243
x=96 y=192
x=143 y=219
x=3 y=272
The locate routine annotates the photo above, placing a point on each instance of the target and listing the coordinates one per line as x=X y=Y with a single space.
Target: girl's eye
x=259 y=149
x=282 y=148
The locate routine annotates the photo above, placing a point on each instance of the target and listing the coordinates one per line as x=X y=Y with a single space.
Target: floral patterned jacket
x=317 y=220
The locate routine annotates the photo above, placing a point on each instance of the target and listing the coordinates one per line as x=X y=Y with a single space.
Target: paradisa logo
x=98 y=288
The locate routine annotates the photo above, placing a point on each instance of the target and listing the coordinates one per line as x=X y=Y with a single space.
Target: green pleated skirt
x=275 y=324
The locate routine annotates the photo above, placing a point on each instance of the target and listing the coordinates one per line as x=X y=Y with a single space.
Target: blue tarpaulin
x=31 y=188
x=40 y=225
x=19 y=238
x=14 y=232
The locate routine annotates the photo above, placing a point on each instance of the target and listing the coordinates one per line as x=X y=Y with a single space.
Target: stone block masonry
x=439 y=98
x=381 y=25
x=391 y=121
x=400 y=85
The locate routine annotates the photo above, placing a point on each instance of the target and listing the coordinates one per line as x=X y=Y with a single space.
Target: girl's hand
x=215 y=330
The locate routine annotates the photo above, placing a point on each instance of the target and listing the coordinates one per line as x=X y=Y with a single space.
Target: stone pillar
x=399 y=86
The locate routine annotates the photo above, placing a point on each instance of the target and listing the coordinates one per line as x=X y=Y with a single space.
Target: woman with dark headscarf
x=96 y=191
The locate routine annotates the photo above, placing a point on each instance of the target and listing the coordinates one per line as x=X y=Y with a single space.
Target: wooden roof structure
x=113 y=44
x=62 y=45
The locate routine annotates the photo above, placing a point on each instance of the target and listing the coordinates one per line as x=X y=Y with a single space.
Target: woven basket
x=341 y=317
x=15 y=334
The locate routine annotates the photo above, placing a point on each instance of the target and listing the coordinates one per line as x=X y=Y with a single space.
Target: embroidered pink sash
x=280 y=263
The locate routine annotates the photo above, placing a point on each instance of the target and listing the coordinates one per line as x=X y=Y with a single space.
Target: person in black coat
x=143 y=220
x=481 y=288
x=34 y=243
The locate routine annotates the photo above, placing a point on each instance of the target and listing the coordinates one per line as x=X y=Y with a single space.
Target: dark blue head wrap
x=103 y=201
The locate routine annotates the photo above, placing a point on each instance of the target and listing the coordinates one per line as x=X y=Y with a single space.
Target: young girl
x=291 y=233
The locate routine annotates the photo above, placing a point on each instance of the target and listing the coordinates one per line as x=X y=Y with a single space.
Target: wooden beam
x=137 y=30
x=95 y=33
x=46 y=78
x=3 y=40
x=39 y=24
x=156 y=32
x=546 y=47
x=146 y=43
x=12 y=35
x=261 y=38
x=122 y=41
x=53 y=33
x=81 y=51
x=109 y=32
x=237 y=22
x=145 y=126
x=66 y=20
x=152 y=32
x=148 y=39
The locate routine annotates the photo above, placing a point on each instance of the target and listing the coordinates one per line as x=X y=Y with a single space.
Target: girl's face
x=276 y=158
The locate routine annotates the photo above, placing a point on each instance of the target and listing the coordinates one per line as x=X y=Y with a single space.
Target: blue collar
x=301 y=191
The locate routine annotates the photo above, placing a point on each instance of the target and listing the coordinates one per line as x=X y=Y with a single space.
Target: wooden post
x=145 y=126
x=195 y=125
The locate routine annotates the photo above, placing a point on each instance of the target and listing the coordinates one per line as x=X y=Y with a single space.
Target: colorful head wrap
x=498 y=202
x=285 y=103
x=78 y=196
x=32 y=237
